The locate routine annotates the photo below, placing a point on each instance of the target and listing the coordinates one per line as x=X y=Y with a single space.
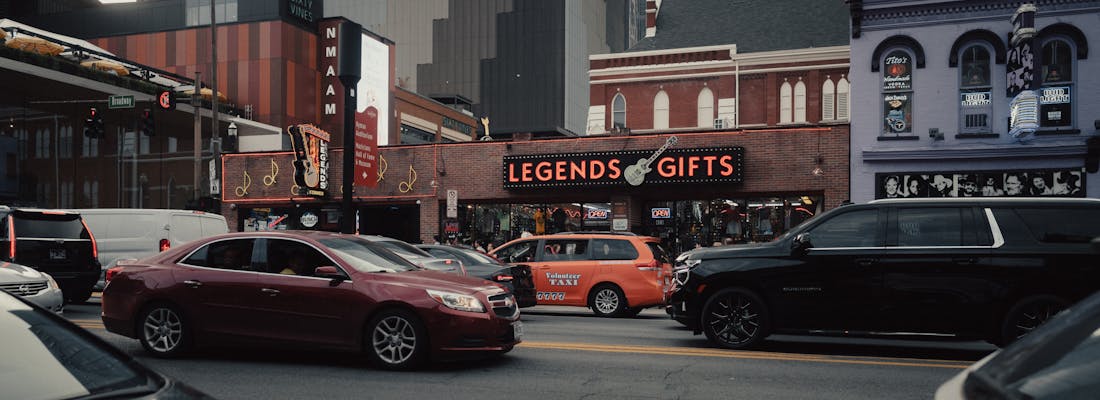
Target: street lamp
x=231 y=146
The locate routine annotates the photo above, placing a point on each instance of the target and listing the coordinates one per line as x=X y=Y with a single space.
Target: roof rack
x=596 y=233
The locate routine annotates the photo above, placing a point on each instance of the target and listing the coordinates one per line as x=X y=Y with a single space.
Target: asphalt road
x=569 y=354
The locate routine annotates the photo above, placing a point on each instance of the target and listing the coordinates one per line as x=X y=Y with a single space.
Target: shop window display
x=688 y=224
x=495 y=224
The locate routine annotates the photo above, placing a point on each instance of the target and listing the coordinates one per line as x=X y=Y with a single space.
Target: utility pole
x=215 y=132
x=197 y=102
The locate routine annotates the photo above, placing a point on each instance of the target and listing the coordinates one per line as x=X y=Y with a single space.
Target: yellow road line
x=696 y=352
x=699 y=352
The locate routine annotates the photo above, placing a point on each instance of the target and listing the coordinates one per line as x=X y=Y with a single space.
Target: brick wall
x=777 y=162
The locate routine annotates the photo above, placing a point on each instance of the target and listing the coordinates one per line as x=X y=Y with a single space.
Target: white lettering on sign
x=897 y=60
x=901 y=97
x=330 y=71
x=330 y=33
x=330 y=109
x=330 y=91
x=330 y=51
x=976 y=99
x=557 y=279
x=1055 y=96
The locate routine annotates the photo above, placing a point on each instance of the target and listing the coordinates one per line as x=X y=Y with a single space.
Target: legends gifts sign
x=701 y=165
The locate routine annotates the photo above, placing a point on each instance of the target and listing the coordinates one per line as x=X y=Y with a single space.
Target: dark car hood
x=740 y=250
x=426 y=279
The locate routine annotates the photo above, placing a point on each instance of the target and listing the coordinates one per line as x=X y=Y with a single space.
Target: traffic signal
x=93 y=126
x=148 y=127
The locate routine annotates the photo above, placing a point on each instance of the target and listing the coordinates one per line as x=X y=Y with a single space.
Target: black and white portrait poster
x=1047 y=182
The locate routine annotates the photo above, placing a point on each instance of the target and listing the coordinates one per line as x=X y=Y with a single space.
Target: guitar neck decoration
x=635 y=174
x=310 y=158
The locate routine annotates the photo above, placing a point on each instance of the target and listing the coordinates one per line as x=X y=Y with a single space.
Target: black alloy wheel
x=1029 y=313
x=607 y=300
x=163 y=331
x=735 y=318
x=396 y=340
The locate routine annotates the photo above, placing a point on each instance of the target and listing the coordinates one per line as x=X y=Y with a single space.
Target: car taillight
x=503 y=278
x=95 y=248
x=651 y=266
x=11 y=238
x=165 y=244
x=111 y=272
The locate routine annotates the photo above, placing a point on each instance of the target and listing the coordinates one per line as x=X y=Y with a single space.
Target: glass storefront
x=684 y=225
x=499 y=223
x=681 y=225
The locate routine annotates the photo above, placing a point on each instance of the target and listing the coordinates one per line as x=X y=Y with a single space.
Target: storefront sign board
x=698 y=165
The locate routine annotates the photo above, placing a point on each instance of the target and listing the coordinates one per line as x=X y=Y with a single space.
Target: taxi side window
x=611 y=249
x=519 y=252
x=565 y=250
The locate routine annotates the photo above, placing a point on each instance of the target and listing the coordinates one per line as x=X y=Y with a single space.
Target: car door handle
x=270 y=292
x=192 y=284
x=866 y=262
x=965 y=260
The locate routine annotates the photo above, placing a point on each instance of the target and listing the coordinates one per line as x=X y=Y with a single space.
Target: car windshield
x=367 y=256
x=1058 y=360
x=403 y=249
x=46 y=360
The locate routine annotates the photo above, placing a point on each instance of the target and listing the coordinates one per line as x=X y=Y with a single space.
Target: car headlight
x=50 y=282
x=457 y=301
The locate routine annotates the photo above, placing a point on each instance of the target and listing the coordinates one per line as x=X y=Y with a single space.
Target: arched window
x=975 y=89
x=843 y=103
x=799 y=101
x=705 y=113
x=660 y=110
x=897 y=92
x=618 y=111
x=785 y=103
x=1056 y=96
x=828 y=100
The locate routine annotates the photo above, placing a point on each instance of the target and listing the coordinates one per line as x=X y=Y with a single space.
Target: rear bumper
x=75 y=280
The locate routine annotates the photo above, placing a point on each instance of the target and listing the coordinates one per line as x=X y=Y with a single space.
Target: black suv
x=55 y=242
x=991 y=269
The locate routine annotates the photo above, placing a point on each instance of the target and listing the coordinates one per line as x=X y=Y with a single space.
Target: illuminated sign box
x=700 y=165
x=660 y=213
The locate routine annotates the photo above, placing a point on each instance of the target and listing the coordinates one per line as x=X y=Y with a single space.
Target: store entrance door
x=395 y=221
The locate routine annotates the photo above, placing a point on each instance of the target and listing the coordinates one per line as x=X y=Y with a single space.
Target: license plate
x=517 y=330
x=57 y=254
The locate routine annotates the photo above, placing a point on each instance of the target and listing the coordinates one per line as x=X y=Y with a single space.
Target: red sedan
x=319 y=288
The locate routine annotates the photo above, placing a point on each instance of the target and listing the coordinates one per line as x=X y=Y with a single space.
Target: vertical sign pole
x=348 y=62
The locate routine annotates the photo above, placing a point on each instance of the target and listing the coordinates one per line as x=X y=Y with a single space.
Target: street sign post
x=452 y=203
x=121 y=101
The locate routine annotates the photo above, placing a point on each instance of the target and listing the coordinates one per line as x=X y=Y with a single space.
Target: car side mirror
x=1096 y=244
x=801 y=244
x=331 y=273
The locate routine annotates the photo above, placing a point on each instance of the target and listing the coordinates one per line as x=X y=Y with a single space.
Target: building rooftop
x=753 y=25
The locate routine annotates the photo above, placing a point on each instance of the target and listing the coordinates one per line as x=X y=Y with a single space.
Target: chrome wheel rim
x=163 y=330
x=1034 y=316
x=394 y=340
x=607 y=301
x=734 y=319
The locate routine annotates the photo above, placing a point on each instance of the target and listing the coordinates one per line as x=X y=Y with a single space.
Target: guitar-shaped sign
x=635 y=174
x=306 y=154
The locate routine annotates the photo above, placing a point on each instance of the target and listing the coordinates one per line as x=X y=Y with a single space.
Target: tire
x=396 y=340
x=735 y=318
x=164 y=331
x=1027 y=314
x=607 y=301
x=78 y=296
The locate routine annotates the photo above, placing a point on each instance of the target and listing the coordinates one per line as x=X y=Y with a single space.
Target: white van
x=134 y=233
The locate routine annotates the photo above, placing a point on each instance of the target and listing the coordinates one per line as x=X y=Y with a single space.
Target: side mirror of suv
x=801 y=244
x=1096 y=244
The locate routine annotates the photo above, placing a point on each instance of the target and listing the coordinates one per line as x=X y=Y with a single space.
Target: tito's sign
x=704 y=165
